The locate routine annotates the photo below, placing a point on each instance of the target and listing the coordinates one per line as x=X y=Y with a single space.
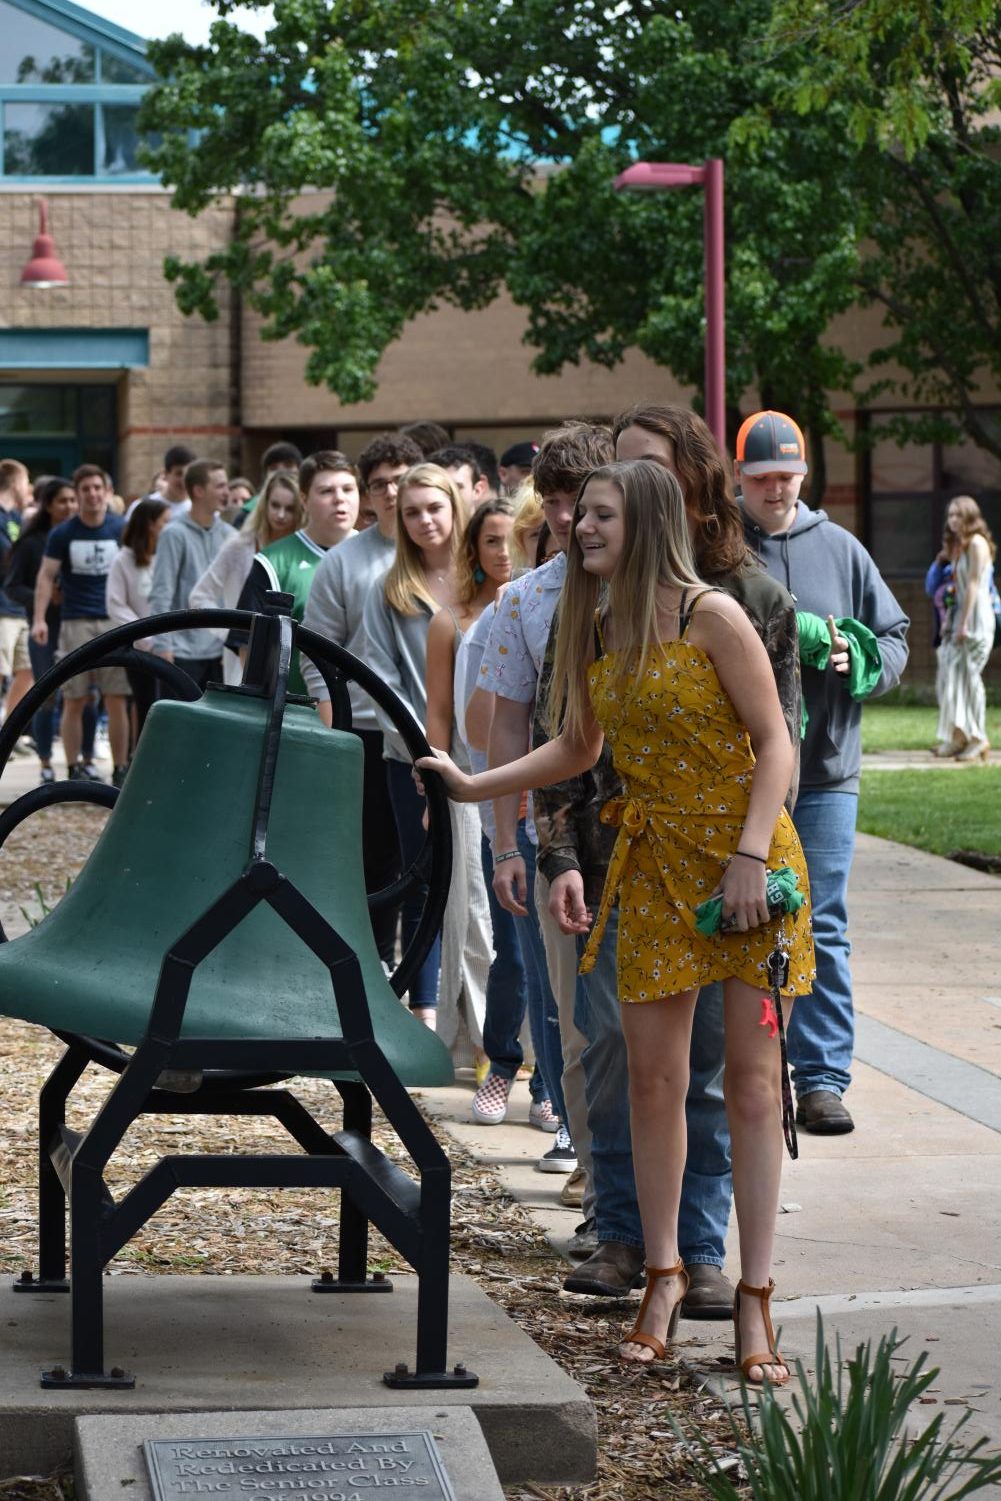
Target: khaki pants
x=561 y=962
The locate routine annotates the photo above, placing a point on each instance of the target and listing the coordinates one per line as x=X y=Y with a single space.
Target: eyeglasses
x=383 y=486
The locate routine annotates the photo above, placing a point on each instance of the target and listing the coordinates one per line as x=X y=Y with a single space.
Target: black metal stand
x=411 y=1212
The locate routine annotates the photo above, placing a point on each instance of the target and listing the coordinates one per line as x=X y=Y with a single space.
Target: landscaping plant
x=847 y=1440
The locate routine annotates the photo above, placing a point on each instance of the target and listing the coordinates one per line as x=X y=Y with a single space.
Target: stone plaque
x=339 y=1467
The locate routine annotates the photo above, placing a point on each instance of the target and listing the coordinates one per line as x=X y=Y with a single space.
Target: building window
x=35 y=52
x=48 y=140
x=907 y=490
x=53 y=427
x=69 y=104
x=121 y=139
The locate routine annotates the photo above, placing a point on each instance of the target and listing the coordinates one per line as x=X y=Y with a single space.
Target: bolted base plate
x=379 y=1283
x=59 y=1378
x=404 y=1379
x=27 y=1283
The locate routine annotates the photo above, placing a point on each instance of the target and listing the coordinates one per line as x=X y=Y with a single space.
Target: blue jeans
x=43 y=723
x=543 y=1016
x=821 y=1035
x=706 y=1186
x=408 y=810
x=507 y=994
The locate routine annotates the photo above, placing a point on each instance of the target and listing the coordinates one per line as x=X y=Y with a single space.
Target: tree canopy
x=393 y=157
x=920 y=86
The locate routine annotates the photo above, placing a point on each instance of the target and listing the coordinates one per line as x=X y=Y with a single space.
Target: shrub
x=848 y=1440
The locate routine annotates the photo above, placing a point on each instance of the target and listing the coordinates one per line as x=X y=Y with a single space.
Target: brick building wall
x=470 y=371
x=113 y=244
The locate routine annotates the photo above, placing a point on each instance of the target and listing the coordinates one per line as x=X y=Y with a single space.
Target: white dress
x=959 y=683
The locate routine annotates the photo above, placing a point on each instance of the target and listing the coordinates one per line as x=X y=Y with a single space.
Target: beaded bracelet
x=507 y=855
x=746 y=854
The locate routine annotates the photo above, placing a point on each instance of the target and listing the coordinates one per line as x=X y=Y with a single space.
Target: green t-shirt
x=289 y=566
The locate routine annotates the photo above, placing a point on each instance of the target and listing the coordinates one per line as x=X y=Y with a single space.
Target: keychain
x=778 y=978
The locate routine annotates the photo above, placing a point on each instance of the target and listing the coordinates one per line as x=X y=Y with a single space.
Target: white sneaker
x=490 y=1100
x=542 y=1114
x=561 y=1157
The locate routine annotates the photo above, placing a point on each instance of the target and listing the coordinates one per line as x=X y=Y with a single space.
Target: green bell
x=175 y=841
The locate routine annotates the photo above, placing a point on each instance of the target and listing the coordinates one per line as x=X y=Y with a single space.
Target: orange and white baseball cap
x=770 y=443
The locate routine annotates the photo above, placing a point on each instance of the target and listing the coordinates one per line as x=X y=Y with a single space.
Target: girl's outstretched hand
x=458 y=784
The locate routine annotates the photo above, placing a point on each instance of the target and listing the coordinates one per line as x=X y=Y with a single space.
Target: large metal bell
x=175 y=841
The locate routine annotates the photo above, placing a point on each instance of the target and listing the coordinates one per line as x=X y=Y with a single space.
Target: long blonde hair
x=406 y=587
x=528 y=517
x=258 y=528
x=656 y=552
x=972 y=524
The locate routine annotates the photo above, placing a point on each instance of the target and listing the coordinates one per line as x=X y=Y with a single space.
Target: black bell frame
x=412 y=1215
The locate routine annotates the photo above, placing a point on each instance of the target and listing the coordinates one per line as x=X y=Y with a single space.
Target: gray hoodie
x=828 y=572
x=341 y=585
x=184 y=552
x=396 y=647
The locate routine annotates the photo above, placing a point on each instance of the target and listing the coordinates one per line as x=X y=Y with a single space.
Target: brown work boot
x=823 y=1113
x=709 y=1295
x=612 y=1272
x=572 y=1192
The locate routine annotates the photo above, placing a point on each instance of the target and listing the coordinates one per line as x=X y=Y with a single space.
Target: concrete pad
x=901 y=870
x=108 y=1450
x=206 y=1344
x=960 y=1019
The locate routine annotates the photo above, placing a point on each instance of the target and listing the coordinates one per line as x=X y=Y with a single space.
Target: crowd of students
x=598 y=621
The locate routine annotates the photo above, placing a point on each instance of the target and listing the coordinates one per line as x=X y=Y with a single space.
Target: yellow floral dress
x=686 y=762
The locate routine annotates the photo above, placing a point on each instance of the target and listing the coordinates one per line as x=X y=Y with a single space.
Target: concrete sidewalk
x=899 y=1224
x=21 y=773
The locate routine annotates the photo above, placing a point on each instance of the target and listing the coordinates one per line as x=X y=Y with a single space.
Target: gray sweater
x=341 y=584
x=828 y=572
x=396 y=647
x=183 y=553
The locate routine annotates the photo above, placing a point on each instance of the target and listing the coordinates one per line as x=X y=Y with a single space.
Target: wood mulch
x=642 y=1456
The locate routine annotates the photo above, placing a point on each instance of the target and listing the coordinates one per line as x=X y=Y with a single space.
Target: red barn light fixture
x=45 y=269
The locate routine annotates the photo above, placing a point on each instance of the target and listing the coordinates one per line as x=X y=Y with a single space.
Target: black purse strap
x=778 y=975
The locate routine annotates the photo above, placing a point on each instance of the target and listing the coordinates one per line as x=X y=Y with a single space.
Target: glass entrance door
x=43 y=456
x=51 y=428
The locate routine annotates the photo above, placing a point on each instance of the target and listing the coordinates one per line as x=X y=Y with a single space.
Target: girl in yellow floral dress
x=676 y=677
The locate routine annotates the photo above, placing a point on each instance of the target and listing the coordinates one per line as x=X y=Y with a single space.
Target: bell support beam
x=414 y=1218
x=51 y=1193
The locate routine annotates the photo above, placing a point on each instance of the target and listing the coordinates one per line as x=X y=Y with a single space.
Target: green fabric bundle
x=781 y=889
x=865 y=661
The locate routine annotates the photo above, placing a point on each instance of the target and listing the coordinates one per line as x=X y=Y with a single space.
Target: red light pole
x=658 y=177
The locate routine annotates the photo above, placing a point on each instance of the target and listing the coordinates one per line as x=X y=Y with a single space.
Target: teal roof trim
x=73 y=348
x=89 y=28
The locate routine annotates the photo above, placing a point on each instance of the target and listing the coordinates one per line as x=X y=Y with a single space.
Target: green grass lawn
x=938 y=810
x=911 y=727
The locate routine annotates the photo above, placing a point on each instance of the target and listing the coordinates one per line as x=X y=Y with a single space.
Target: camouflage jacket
x=568 y=814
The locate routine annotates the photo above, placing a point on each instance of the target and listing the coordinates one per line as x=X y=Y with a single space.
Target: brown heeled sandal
x=772 y=1356
x=655 y=1274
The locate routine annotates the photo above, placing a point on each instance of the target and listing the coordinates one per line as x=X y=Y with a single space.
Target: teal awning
x=73 y=348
